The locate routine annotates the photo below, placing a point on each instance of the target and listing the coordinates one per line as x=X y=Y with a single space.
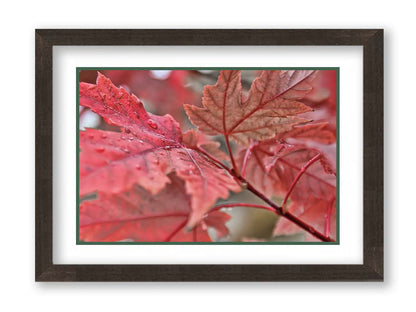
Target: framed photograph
x=209 y=155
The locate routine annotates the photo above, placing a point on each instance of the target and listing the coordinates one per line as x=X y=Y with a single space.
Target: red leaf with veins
x=323 y=99
x=271 y=106
x=273 y=166
x=198 y=140
x=317 y=212
x=119 y=108
x=317 y=132
x=162 y=96
x=140 y=216
x=149 y=148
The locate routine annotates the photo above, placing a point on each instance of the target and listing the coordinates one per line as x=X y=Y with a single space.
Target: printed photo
x=207 y=155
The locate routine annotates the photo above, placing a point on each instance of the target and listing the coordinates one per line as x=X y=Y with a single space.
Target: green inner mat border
x=79 y=69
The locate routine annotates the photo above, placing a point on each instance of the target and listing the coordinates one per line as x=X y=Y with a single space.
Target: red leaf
x=323 y=99
x=197 y=140
x=145 y=153
x=140 y=216
x=317 y=132
x=327 y=165
x=317 y=212
x=120 y=108
x=324 y=91
x=161 y=96
x=271 y=106
x=273 y=166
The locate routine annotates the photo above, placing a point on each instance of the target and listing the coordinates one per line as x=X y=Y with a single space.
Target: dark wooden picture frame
x=372 y=267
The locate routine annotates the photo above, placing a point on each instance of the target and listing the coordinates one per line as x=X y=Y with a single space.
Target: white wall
x=18 y=21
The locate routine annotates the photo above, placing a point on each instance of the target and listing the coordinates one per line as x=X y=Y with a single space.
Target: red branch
x=275 y=208
x=279 y=210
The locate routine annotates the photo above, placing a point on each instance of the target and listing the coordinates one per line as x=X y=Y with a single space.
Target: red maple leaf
x=298 y=174
x=272 y=167
x=163 y=96
x=144 y=153
x=137 y=215
x=271 y=106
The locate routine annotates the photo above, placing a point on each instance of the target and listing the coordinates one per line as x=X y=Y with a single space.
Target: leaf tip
x=100 y=76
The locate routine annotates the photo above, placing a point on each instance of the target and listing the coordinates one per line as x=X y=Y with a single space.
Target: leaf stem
x=215 y=160
x=246 y=157
x=230 y=152
x=300 y=173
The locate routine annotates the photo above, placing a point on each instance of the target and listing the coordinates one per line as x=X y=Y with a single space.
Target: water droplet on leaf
x=152 y=124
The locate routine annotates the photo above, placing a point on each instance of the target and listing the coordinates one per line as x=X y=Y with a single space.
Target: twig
x=279 y=210
x=275 y=208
